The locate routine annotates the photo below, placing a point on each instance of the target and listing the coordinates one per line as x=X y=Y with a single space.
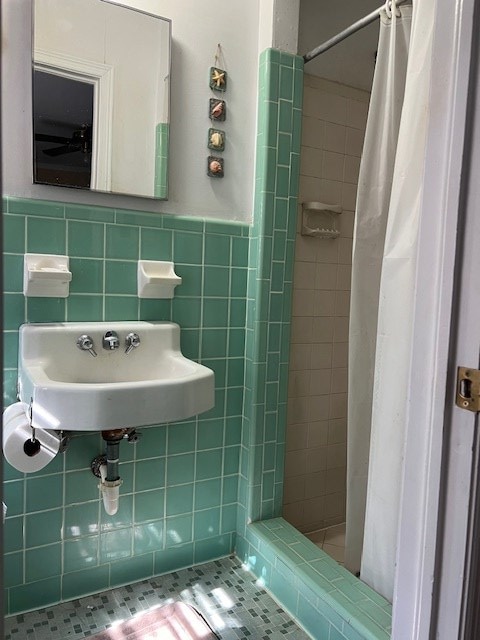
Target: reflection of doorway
x=97 y=76
x=62 y=124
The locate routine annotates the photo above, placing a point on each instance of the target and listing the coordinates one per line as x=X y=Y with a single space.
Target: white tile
x=320 y=382
x=324 y=303
x=349 y=196
x=337 y=553
x=294 y=513
x=333 y=166
x=299 y=384
x=316 y=460
x=305 y=249
x=340 y=355
x=311 y=162
x=316 y=536
x=342 y=303
x=335 y=480
x=297 y=437
x=345 y=246
x=352 y=167
x=336 y=456
x=354 y=142
x=357 y=112
x=311 y=104
x=332 y=108
x=314 y=508
x=309 y=189
x=300 y=357
x=335 y=535
x=315 y=484
x=302 y=330
x=339 y=380
x=344 y=277
x=317 y=435
x=335 y=135
x=325 y=276
x=319 y=408
x=320 y=356
x=330 y=191
x=326 y=251
x=334 y=506
x=338 y=405
x=313 y=132
x=337 y=431
x=294 y=489
x=347 y=223
x=302 y=302
x=304 y=275
x=298 y=410
x=295 y=463
x=340 y=332
x=322 y=329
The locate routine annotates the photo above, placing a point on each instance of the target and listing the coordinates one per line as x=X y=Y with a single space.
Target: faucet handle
x=85 y=343
x=132 y=341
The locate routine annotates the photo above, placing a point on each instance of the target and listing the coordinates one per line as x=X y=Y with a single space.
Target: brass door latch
x=468 y=389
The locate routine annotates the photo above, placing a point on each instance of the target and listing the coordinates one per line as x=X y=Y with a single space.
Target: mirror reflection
x=101 y=74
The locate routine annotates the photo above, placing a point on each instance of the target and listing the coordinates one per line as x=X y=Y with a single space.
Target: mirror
x=101 y=74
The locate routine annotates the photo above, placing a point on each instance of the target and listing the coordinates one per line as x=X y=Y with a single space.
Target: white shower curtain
x=373 y=199
x=395 y=305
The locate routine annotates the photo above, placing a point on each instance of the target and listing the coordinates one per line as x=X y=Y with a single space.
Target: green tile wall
x=325 y=599
x=179 y=495
x=269 y=288
x=160 y=188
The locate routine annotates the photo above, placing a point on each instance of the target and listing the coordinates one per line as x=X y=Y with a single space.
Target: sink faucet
x=110 y=341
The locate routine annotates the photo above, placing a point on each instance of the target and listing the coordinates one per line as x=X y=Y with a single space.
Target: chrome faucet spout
x=110 y=341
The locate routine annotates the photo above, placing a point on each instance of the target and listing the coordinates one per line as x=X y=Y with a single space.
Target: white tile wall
x=332 y=137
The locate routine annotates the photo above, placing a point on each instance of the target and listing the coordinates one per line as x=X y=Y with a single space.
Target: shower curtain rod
x=353 y=28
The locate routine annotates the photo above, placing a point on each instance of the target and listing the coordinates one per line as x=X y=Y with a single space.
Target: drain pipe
x=106 y=468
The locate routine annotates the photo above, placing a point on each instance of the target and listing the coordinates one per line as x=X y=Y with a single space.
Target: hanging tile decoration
x=218 y=79
x=217 y=109
x=215 y=167
x=216 y=139
x=217 y=113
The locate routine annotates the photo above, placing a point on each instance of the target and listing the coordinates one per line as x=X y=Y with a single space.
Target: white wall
x=333 y=128
x=197 y=27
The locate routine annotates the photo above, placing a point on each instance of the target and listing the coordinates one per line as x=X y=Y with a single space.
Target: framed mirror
x=101 y=97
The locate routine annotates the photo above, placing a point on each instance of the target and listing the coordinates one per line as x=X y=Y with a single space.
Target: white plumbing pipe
x=110 y=491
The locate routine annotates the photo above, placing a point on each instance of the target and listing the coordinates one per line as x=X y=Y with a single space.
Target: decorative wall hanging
x=218 y=79
x=217 y=110
x=215 y=167
x=216 y=139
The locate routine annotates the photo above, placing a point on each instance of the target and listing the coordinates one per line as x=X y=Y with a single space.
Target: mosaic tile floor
x=225 y=594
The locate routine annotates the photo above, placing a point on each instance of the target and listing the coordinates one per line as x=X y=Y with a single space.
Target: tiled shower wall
x=333 y=127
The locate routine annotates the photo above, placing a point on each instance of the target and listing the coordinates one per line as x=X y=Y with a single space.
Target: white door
x=440 y=456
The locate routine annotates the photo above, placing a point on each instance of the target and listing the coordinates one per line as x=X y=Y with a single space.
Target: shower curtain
x=389 y=205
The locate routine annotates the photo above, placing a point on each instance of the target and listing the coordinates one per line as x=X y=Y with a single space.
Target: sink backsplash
x=59 y=543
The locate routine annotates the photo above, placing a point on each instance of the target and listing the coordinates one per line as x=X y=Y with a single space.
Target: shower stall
x=353 y=297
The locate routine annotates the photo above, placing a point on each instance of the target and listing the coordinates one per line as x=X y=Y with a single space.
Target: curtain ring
x=389 y=4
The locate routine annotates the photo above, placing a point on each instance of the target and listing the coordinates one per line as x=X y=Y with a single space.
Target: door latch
x=468 y=389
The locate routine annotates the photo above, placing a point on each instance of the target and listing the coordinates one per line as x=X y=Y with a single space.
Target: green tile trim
x=160 y=187
x=274 y=551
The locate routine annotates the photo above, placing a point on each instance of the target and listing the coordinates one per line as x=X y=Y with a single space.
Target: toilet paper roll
x=18 y=448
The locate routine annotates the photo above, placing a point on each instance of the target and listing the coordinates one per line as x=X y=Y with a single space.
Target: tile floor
x=331 y=540
x=227 y=595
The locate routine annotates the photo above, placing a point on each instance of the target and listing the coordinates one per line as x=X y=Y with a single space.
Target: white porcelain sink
x=74 y=391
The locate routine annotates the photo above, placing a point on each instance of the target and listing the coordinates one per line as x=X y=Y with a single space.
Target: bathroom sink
x=95 y=385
